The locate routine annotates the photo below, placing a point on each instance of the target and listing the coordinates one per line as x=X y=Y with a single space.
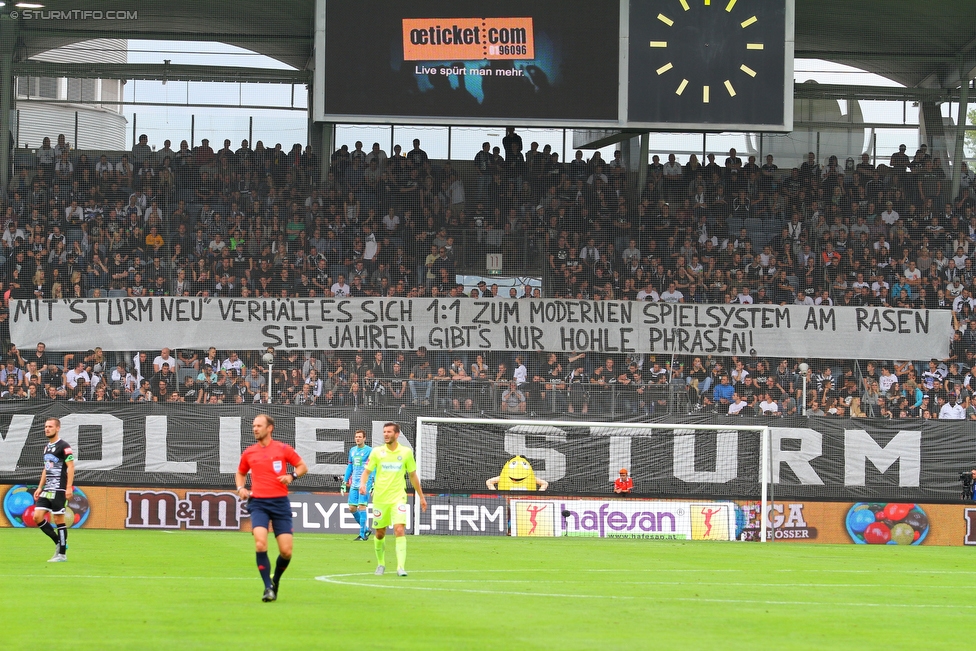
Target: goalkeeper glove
x=342 y=488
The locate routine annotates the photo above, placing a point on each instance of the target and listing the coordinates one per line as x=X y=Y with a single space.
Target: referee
x=267 y=501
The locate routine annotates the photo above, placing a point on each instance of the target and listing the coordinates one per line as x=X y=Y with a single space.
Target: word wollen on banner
x=494 y=324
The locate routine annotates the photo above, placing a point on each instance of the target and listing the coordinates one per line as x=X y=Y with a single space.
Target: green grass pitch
x=200 y=590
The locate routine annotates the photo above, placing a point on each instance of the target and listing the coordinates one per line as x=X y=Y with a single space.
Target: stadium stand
x=253 y=222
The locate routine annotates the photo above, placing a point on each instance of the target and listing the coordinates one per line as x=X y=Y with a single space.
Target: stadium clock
x=708 y=62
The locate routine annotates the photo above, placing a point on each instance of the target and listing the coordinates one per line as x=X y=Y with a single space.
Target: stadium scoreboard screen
x=472 y=62
x=656 y=64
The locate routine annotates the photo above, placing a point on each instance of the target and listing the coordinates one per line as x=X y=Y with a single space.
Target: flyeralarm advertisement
x=100 y=507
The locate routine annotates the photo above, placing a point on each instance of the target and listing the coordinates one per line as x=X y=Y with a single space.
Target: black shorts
x=52 y=501
x=276 y=510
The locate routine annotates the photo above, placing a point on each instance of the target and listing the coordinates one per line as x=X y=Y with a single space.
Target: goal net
x=564 y=474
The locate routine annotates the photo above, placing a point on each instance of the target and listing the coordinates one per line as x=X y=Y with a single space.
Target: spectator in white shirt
x=737 y=405
x=103 y=166
x=913 y=275
x=887 y=380
x=672 y=169
x=739 y=373
x=233 y=363
x=648 y=294
x=962 y=299
x=521 y=374
x=74 y=213
x=11 y=234
x=952 y=410
x=164 y=358
x=391 y=221
x=889 y=215
x=341 y=287
x=768 y=406
x=823 y=298
x=672 y=295
x=71 y=377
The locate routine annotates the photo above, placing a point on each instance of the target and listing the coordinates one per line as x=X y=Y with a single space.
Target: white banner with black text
x=466 y=324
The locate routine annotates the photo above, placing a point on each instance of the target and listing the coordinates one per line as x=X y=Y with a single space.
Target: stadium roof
x=918 y=44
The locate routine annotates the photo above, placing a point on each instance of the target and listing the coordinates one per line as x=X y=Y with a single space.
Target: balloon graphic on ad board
x=874 y=523
x=18 y=506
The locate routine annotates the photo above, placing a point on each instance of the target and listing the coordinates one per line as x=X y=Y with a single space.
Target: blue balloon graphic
x=19 y=502
x=860 y=520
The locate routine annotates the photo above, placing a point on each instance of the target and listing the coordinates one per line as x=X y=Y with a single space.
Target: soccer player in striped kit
x=55 y=488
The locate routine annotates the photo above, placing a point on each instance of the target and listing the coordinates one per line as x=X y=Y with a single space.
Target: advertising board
x=860 y=523
x=471 y=62
x=633 y=518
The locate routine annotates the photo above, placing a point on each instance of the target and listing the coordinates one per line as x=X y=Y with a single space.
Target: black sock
x=62 y=539
x=49 y=532
x=280 y=566
x=264 y=567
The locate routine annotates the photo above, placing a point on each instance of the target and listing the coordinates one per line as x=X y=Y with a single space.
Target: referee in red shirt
x=267 y=501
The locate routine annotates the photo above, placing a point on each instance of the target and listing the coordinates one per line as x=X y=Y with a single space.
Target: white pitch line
x=828 y=604
x=335 y=579
x=693 y=584
x=886 y=571
x=330 y=579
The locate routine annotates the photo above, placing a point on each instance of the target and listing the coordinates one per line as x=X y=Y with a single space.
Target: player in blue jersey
x=358 y=502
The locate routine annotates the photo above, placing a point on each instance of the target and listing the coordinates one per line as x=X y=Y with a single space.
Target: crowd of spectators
x=524 y=383
x=257 y=222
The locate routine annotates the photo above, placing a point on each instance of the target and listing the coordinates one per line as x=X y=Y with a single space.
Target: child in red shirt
x=624 y=484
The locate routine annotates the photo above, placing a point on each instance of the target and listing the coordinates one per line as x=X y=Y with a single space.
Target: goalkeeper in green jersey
x=389 y=463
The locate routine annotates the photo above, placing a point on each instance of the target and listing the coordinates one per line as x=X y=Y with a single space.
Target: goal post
x=533 y=458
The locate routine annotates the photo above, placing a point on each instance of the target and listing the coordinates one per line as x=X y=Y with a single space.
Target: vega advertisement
x=860 y=523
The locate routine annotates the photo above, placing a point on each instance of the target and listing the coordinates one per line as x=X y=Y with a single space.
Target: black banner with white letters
x=200 y=446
